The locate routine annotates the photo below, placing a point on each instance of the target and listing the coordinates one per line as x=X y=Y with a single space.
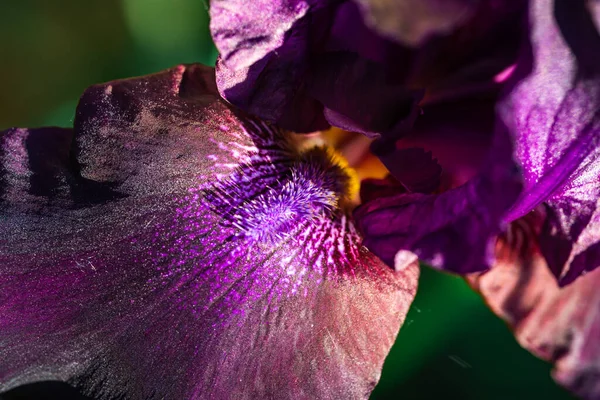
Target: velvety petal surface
x=302 y=63
x=415 y=168
x=459 y=135
x=34 y=164
x=452 y=229
x=180 y=249
x=263 y=47
x=308 y=64
x=358 y=96
x=560 y=325
x=554 y=116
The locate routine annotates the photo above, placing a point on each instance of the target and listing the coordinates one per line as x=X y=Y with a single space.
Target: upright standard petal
x=308 y=64
x=185 y=250
x=302 y=64
x=553 y=113
x=560 y=325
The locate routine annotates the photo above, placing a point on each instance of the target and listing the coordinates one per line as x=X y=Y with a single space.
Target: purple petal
x=263 y=48
x=459 y=134
x=301 y=63
x=456 y=229
x=560 y=325
x=308 y=64
x=218 y=263
x=415 y=168
x=382 y=105
x=453 y=231
x=553 y=115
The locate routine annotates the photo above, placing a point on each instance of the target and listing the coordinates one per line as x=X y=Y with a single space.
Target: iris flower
x=171 y=246
x=181 y=242
x=528 y=207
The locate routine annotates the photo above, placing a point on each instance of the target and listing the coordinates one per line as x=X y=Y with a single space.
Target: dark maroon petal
x=218 y=263
x=456 y=229
x=415 y=168
x=459 y=134
x=554 y=116
x=560 y=325
x=371 y=188
x=453 y=231
x=338 y=78
x=466 y=61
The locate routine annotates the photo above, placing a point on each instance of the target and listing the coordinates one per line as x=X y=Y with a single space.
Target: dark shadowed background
x=450 y=347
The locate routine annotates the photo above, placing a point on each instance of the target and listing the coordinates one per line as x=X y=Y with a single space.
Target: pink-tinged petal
x=560 y=325
x=218 y=264
x=553 y=115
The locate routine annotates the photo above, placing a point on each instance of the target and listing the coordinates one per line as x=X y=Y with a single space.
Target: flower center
x=269 y=203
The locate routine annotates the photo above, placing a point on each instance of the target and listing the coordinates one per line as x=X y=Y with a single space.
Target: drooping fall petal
x=560 y=325
x=180 y=249
x=553 y=114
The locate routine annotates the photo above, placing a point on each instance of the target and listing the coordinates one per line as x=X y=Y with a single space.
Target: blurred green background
x=450 y=347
